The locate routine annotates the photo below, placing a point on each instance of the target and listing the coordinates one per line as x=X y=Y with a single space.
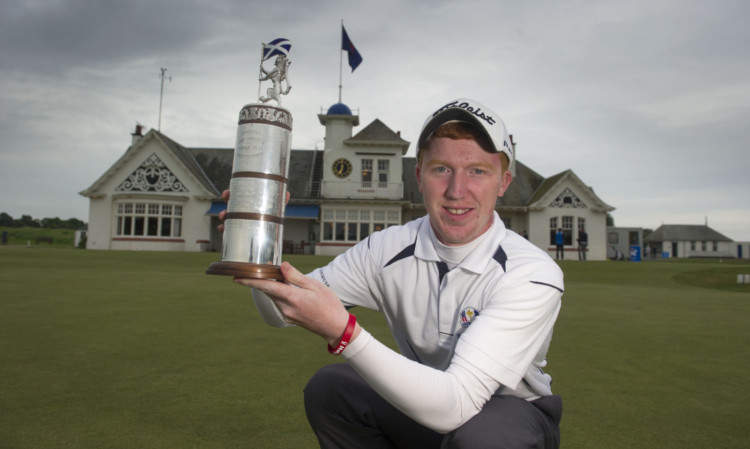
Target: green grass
x=106 y=349
x=27 y=236
x=645 y=360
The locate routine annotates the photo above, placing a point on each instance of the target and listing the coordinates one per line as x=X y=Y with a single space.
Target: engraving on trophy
x=255 y=113
x=254 y=224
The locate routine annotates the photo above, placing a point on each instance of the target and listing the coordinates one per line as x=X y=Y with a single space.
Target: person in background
x=583 y=243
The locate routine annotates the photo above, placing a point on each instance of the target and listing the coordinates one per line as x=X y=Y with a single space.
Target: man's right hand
x=223 y=214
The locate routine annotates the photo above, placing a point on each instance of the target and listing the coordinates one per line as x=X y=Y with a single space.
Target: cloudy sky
x=647 y=101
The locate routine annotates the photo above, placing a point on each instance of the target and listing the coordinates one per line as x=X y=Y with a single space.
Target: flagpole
x=260 y=68
x=341 y=58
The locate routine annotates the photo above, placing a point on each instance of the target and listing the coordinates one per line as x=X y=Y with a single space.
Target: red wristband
x=344 y=338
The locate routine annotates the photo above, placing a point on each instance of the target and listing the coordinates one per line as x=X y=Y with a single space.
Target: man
x=470 y=304
x=583 y=242
x=559 y=244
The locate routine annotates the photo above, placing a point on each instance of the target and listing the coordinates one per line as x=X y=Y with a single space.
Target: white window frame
x=350 y=225
x=383 y=173
x=366 y=173
x=148 y=219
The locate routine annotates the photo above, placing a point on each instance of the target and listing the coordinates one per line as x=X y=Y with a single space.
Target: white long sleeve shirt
x=479 y=329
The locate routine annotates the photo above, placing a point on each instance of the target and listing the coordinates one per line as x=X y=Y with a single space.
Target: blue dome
x=339 y=109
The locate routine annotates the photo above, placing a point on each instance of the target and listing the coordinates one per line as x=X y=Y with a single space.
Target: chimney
x=137 y=134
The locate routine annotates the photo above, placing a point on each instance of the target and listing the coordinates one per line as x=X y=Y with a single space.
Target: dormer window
x=367 y=173
x=382 y=174
x=383 y=167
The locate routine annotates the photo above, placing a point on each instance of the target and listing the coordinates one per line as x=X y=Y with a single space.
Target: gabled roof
x=189 y=161
x=546 y=186
x=216 y=164
x=378 y=134
x=180 y=152
x=522 y=188
x=213 y=168
x=553 y=182
x=686 y=233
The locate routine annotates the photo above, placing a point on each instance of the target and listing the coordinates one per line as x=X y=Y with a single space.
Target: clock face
x=342 y=168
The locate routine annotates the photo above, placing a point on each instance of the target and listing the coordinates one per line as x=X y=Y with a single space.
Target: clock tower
x=362 y=187
x=338 y=163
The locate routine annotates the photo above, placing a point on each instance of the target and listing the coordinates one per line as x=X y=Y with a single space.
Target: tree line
x=47 y=223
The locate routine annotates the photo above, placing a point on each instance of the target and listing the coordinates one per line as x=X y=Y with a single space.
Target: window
x=148 y=220
x=552 y=230
x=340 y=225
x=327 y=215
x=378 y=218
x=364 y=224
x=367 y=173
x=382 y=174
x=692 y=245
x=715 y=246
x=567 y=229
x=383 y=166
x=353 y=225
x=703 y=246
x=152 y=220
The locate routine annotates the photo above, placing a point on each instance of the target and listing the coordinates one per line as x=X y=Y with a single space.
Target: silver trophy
x=254 y=225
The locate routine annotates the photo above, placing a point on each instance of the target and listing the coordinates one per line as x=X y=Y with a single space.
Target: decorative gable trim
x=568 y=199
x=152 y=175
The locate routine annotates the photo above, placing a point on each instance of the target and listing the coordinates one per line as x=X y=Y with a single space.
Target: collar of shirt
x=476 y=261
x=454 y=255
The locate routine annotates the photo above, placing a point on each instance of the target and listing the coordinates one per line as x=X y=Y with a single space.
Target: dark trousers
x=345 y=412
x=560 y=251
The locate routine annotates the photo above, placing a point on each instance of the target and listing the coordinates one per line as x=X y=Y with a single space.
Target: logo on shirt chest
x=467 y=316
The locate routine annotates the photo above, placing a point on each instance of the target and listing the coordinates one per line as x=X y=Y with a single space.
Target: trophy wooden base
x=246 y=270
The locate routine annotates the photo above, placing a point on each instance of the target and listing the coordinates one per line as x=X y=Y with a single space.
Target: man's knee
x=501 y=437
x=319 y=381
x=323 y=387
x=339 y=408
x=508 y=423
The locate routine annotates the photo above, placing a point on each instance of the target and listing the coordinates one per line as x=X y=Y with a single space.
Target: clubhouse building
x=162 y=196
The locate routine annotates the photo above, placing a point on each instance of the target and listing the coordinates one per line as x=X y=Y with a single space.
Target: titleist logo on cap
x=466 y=106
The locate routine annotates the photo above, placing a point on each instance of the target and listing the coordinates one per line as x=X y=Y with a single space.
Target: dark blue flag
x=355 y=59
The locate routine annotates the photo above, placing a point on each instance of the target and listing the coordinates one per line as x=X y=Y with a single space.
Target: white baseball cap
x=474 y=113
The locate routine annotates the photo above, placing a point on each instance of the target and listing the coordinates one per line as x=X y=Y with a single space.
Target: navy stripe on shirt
x=500 y=257
x=406 y=252
x=548 y=285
